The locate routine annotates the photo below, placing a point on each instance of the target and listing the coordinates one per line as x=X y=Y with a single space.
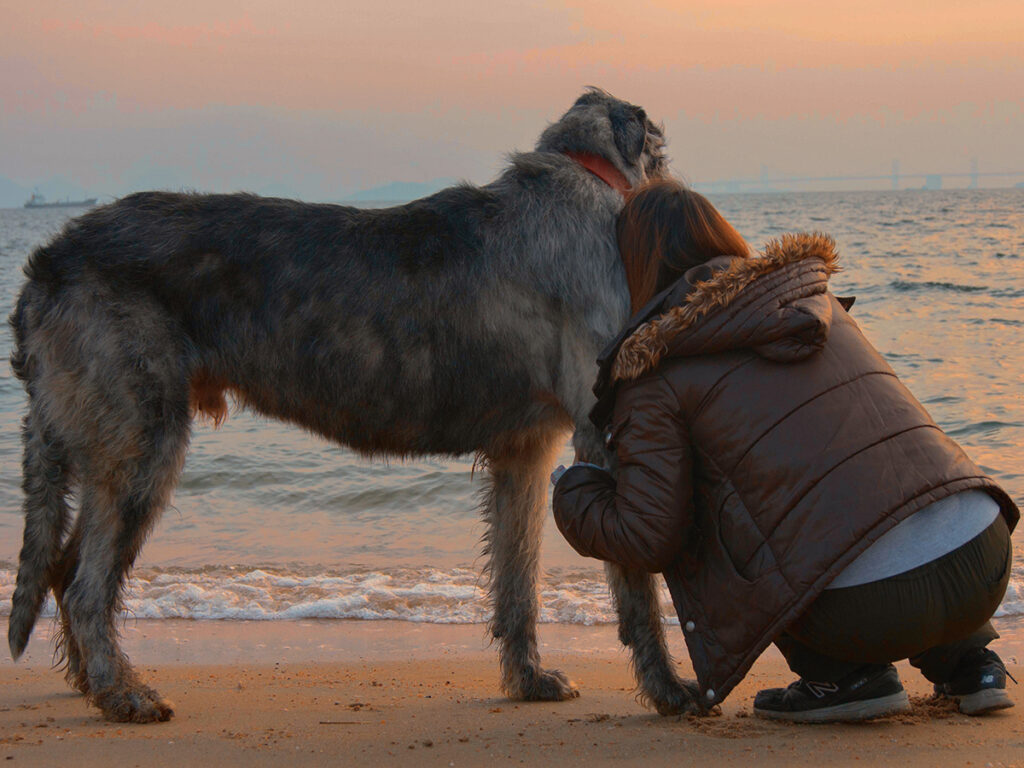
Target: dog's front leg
x=514 y=512
x=636 y=600
x=641 y=630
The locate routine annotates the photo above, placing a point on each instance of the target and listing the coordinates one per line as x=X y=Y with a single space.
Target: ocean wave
x=905 y=286
x=987 y=428
x=427 y=595
x=1008 y=293
x=1013 y=601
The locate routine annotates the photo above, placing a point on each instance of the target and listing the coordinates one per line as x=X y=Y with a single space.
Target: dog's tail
x=44 y=482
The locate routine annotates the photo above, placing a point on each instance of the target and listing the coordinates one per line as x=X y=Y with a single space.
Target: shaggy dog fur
x=468 y=321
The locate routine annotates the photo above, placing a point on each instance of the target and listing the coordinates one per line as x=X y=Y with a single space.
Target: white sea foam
x=1013 y=601
x=455 y=596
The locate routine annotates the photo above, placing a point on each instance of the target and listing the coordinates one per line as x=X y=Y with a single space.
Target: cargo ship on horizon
x=39 y=201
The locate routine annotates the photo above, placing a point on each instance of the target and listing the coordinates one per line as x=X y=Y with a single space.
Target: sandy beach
x=387 y=693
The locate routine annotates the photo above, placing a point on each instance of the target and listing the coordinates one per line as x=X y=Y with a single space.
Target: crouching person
x=787 y=484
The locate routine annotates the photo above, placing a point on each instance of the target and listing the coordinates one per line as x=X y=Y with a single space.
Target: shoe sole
x=849 y=712
x=985 y=700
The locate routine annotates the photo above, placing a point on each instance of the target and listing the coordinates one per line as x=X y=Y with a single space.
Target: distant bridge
x=768 y=183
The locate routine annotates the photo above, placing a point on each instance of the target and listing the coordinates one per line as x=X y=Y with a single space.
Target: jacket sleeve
x=637 y=519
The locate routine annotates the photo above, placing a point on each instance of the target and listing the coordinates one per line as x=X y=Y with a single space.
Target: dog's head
x=600 y=124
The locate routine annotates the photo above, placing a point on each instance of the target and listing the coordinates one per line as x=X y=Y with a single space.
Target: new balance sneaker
x=871 y=691
x=979 y=683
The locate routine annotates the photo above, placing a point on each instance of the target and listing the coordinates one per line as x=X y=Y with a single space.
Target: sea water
x=269 y=522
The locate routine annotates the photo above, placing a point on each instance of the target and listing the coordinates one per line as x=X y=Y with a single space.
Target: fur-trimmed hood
x=776 y=305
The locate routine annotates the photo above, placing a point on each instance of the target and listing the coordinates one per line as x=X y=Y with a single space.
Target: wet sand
x=386 y=693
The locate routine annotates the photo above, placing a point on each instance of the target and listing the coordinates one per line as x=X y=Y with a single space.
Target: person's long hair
x=665 y=229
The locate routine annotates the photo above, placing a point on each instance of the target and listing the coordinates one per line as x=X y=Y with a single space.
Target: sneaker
x=979 y=683
x=870 y=691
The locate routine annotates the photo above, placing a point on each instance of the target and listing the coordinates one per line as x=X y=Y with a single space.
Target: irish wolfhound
x=468 y=321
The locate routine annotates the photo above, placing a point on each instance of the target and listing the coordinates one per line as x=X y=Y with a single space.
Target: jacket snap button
x=690 y=626
x=710 y=693
x=607 y=438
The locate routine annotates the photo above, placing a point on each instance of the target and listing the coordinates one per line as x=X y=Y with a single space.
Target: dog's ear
x=629 y=128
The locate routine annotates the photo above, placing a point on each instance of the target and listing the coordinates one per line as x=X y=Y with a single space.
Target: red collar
x=603 y=169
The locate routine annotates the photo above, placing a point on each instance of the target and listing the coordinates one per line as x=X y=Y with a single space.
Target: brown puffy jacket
x=762 y=444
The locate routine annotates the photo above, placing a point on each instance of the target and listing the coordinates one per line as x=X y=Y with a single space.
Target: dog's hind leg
x=130 y=446
x=114 y=518
x=91 y=604
x=514 y=510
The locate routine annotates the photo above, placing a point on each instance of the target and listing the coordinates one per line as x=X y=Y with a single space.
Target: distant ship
x=38 y=201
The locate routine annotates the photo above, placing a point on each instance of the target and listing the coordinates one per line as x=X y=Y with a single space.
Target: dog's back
x=418 y=329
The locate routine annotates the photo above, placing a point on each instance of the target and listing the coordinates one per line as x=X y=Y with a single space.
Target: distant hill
x=400 y=191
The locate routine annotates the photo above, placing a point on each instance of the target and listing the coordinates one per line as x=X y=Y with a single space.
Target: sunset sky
x=322 y=98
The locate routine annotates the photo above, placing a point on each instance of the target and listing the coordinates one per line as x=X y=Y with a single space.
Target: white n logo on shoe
x=820 y=690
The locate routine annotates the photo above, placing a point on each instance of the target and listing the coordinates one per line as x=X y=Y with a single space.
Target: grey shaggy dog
x=468 y=321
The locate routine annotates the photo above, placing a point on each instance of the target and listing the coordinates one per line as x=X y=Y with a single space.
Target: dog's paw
x=134 y=704
x=679 y=697
x=547 y=685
